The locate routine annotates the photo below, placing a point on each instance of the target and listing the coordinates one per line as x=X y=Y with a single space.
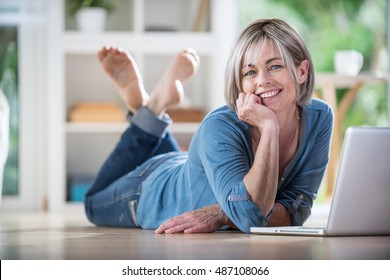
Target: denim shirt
x=220 y=156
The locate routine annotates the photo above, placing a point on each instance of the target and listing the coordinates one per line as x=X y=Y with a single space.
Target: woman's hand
x=253 y=112
x=203 y=220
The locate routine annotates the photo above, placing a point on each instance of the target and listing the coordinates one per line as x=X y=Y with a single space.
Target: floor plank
x=70 y=236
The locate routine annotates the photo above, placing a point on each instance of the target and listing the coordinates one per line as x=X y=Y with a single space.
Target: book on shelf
x=96 y=112
x=179 y=114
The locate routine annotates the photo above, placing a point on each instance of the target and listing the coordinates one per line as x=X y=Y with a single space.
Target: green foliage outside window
x=9 y=85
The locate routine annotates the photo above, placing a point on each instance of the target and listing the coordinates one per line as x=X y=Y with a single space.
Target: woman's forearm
x=262 y=179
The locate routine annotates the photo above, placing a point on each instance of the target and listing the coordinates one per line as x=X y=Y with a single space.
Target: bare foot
x=169 y=90
x=123 y=71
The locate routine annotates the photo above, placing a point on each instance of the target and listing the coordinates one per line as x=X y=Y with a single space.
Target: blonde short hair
x=290 y=45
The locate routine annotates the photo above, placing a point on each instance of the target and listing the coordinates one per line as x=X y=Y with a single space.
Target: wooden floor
x=46 y=236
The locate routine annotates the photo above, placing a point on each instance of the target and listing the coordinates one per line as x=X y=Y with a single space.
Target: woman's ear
x=302 y=71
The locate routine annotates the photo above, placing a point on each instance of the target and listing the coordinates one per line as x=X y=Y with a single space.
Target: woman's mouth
x=269 y=94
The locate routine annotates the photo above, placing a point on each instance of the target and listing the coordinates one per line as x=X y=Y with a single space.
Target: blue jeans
x=113 y=197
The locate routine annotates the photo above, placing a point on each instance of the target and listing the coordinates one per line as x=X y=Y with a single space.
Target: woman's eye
x=249 y=73
x=275 y=67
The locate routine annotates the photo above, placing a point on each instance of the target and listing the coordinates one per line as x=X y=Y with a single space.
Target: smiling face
x=288 y=45
x=264 y=73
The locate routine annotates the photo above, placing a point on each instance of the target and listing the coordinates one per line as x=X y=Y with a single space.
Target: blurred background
x=54 y=85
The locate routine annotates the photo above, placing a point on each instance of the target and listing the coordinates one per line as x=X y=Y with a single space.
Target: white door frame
x=29 y=17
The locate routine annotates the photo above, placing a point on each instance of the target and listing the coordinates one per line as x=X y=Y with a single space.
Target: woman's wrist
x=225 y=219
x=269 y=127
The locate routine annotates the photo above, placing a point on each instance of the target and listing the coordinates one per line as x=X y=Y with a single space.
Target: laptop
x=361 y=197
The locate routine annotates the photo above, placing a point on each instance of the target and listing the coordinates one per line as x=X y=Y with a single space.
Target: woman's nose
x=263 y=79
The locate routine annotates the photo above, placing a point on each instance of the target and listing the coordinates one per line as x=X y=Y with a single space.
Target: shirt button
x=282 y=179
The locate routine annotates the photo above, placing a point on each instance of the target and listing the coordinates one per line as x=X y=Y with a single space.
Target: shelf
x=86 y=128
x=89 y=144
x=153 y=42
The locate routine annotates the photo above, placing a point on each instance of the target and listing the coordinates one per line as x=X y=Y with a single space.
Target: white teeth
x=269 y=94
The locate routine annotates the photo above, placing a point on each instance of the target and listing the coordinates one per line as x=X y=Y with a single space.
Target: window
x=9 y=85
x=22 y=79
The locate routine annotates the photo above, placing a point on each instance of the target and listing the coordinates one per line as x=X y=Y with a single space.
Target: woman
x=258 y=161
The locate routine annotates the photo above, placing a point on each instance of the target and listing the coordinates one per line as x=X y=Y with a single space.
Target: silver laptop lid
x=361 y=199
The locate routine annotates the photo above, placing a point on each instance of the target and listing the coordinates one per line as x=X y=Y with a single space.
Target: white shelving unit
x=74 y=74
